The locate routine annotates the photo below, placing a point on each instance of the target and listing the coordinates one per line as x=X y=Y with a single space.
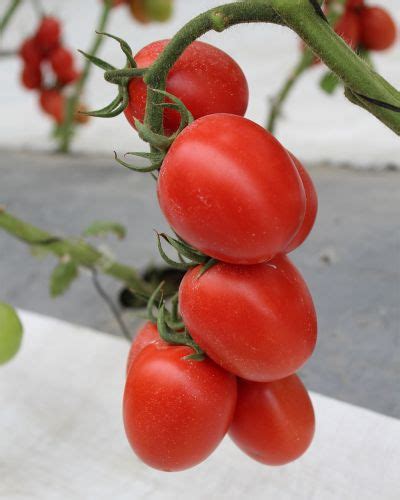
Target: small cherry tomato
x=61 y=60
x=79 y=117
x=354 y=4
x=31 y=77
x=311 y=207
x=147 y=334
x=176 y=410
x=30 y=52
x=68 y=76
x=230 y=189
x=138 y=11
x=52 y=102
x=205 y=78
x=257 y=322
x=378 y=30
x=158 y=10
x=10 y=333
x=348 y=27
x=274 y=422
x=48 y=34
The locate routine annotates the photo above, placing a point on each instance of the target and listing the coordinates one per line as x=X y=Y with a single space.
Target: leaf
x=101 y=228
x=329 y=82
x=62 y=277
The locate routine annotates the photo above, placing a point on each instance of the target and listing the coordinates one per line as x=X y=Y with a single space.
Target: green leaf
x=10 y=333
x=329 y=82
x=101 y=228
x=62 y=277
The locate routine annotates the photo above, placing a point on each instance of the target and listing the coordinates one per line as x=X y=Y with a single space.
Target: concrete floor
x=351 y=261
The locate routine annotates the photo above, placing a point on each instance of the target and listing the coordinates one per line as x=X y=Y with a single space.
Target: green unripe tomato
x=158 y=10
x=10 y=333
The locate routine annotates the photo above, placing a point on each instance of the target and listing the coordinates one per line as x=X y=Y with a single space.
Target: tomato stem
x=11 y=9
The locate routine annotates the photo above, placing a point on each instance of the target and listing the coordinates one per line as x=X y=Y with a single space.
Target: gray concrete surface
x=351 y=261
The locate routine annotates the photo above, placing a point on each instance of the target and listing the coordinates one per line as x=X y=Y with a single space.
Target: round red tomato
x=147 y=334
x=52 y=103
x=230 y=189
x=30 y=52
x=311 y=207
x=348 y=27
x=257 y=322
x=274 y=422
x=354 y=4
x=176 y=411
x=48 y=34
x=205 y=78
x=31 y=77
x=378 y=30
x=61 y=60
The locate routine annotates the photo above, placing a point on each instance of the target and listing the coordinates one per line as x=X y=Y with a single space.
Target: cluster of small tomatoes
x=48 y=67
x=232 y=192
x=370 y=27
x=146 y=11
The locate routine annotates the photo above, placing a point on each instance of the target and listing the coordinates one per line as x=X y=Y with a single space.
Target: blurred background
x=351 y=260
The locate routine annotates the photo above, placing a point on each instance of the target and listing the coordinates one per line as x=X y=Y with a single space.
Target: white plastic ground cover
x=61 y=436
x=315 y=127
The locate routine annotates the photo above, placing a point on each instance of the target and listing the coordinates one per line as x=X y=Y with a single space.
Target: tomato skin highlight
x=230 y=189
x=257 y=322
x=274 y=422
x=204 y=77
x=311 y=207
x=176 y=411
x=378 y=30
x=147 y=334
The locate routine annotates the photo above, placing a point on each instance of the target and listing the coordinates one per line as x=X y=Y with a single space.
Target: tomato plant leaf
x=101 y=228
x=62 y=277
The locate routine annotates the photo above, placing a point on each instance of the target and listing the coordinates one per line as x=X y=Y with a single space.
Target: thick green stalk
x=81 y=252
x=14 y=4
x=72 y=103
x=364 y=85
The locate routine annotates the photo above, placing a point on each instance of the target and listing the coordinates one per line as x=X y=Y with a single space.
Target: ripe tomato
x=205 y=78
x=274 y=422
x=354 y=4
x=52 y=103
x=48 y=34
x=311 y=207
x=378 y=30
x=61 y=60
x=176 y=411
x=230 y=189
x=257 y=322
x=147 y=334
x=31 y=77
x=30 y=52
x=348 y=27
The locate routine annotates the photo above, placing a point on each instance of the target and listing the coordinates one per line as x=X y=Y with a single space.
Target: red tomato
x=230 y=189
x=378 y=30
x=31 y=77
x=30 y=52
x=257 y=322
x=348 y=27
x=52 y=103
x=176 y=411
x=68 y=76
x=205 y=78
x=48 y=34
x=274 y=422
x=61 y=60
x=147 y=334
x=354 y=4
x=311 y=207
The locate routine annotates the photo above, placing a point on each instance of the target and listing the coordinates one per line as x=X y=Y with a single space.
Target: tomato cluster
x=235 y=195
x=371 y=27
x=146 y=11
x=49 y=67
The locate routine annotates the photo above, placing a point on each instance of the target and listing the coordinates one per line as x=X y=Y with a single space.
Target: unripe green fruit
x=158 y=10
x=10 y=333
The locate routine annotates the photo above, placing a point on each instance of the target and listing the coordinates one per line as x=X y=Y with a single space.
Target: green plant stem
x=303 y=64
x=66 y=131
x=81 y=252
x=364 y=86
x=14 y=4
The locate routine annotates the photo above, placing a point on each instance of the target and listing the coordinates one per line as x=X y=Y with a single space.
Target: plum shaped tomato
x=147 y=334
x=311 y=207
x=257 y=321
x=230 y=189
x=378 y=30
x=205 y=78
x=274 y=422
x=176 y=410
